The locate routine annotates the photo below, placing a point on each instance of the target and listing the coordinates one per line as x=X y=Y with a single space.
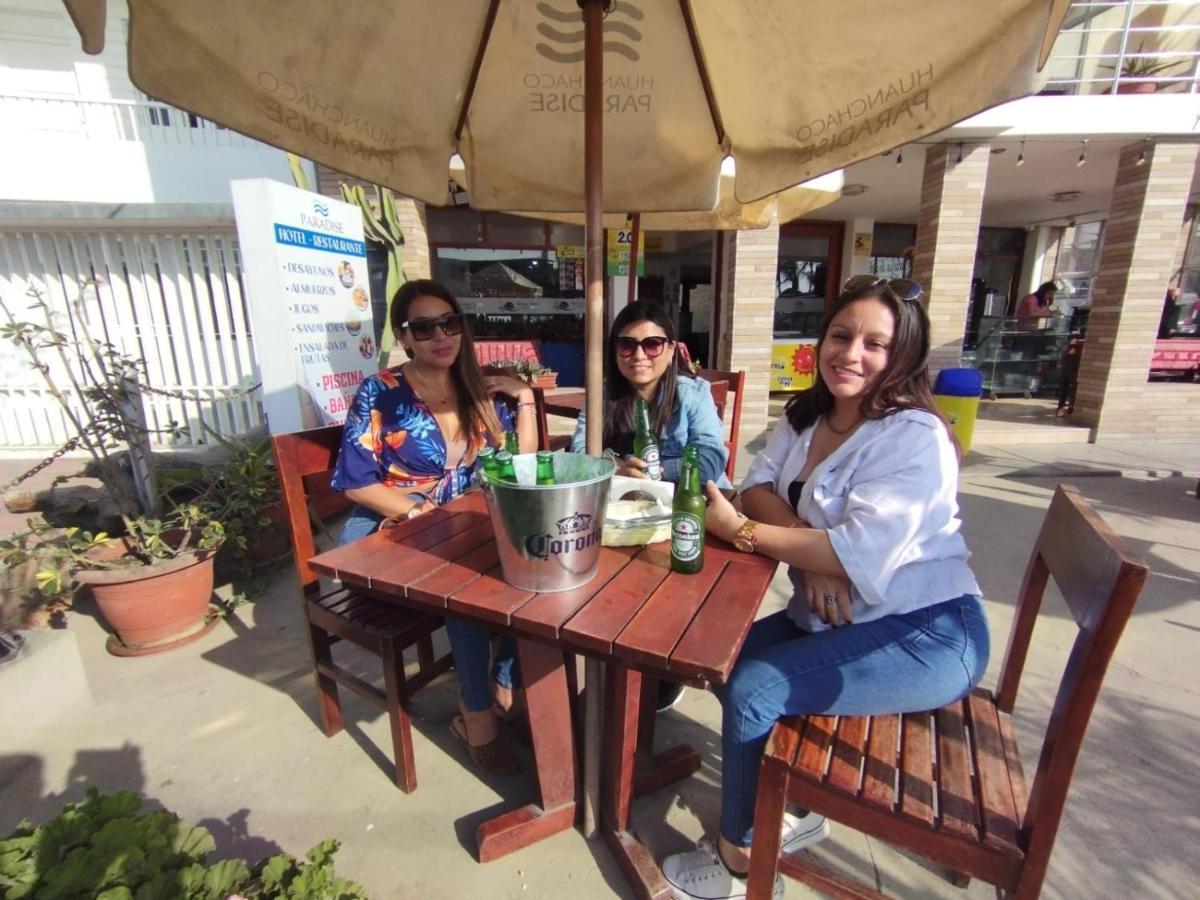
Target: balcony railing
x=1127 y=46
x=115 y=120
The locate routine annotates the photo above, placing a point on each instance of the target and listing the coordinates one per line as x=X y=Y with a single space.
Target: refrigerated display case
x=1020 y=356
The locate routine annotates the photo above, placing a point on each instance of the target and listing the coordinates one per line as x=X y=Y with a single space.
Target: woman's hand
x=819 y=588
x=509 y=386
x=631 y=467
x=723 y=519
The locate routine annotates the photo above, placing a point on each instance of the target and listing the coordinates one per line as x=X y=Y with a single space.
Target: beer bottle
x=504 y=467
x=645 y=445
x=511 y=443
x=487 y=462
x=687 y=517
x=545 y=467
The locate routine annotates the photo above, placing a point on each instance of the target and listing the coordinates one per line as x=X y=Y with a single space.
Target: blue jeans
x=901 y=663
x=471 y=644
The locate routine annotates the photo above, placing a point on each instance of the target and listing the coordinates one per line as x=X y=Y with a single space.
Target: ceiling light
x=1066 y=196
x=1021 y=155
x=1082 y=154
x=900 y=156
x=959 y=153
x=996 y=151
x=853 y=190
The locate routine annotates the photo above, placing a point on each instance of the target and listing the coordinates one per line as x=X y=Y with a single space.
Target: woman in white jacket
x=855 y=491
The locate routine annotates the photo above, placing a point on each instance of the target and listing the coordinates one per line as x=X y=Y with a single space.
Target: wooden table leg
x=656 y=770
x=546 y=697
x=623 y=694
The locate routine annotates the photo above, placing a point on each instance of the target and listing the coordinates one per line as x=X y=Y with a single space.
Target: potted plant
x=105 y=846
x=1141 y=64
x=152 y=583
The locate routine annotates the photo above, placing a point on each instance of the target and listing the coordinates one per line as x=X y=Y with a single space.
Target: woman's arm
x=526 y=424
x=389 y=502
x=805 y=548
x=762 y=504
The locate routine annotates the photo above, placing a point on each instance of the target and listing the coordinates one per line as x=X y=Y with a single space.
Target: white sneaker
x=802 y=831
x=700 y=875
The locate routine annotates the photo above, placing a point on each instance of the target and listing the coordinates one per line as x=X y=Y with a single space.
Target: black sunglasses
x=900 y=288
x=423 y=329
x=651 y=346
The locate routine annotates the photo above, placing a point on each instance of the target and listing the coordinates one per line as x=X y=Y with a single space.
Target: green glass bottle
x=511 y=443
x=645 y=444
x=504 y=467
x=545 y=467
x=687 y=517
x=487 y=462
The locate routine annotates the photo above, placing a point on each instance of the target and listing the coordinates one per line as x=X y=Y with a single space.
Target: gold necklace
x=840 y=431
x=423 y=385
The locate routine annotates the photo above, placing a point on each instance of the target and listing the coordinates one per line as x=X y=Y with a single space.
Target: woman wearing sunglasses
x=856 y=492
x=411 y=442
x=640 y=361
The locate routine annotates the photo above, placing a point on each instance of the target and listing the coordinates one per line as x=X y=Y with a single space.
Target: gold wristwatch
x=746 y=538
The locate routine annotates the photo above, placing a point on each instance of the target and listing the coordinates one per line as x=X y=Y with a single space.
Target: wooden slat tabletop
x=635 y=610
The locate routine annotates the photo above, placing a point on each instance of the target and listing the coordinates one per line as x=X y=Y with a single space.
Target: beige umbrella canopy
x=389 y=91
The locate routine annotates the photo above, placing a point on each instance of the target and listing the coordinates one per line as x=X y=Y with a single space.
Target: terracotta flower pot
x=156 y=607
x=545 y=380
x=1137 y=87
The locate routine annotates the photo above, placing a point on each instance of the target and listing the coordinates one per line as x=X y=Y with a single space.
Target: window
x=1078 y=260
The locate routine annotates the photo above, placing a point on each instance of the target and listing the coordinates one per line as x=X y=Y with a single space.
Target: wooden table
x=635 y=614
x=565 y=403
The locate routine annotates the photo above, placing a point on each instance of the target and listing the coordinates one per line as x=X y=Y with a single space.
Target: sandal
x=492 y=758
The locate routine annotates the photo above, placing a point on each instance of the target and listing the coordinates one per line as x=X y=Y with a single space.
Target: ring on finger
x=831 y=599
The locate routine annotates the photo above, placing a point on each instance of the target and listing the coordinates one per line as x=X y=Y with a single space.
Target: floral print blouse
x=392 y=438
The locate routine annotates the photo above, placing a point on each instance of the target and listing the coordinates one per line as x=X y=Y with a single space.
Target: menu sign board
x=305 y=265
x=620 y=243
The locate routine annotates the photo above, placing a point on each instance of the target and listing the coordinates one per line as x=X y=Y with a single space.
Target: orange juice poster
x=793 y=365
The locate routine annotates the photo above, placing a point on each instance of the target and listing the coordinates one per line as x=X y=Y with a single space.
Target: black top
x=794 y=490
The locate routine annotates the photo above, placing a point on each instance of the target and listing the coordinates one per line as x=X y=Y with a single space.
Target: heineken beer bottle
x=645 y=444
x=511 y=443
x=687 y=517
x=545 y=467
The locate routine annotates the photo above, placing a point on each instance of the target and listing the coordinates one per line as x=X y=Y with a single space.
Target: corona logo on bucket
x=575 y=533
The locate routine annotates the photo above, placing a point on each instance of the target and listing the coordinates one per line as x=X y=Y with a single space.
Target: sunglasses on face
x=423 y=329
x=651 y=346
x=900 y=288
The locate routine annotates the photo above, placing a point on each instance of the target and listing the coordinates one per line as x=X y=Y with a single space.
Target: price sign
x=620 y=242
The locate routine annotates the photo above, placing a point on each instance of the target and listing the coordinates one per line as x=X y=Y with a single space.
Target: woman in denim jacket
x=640 y=361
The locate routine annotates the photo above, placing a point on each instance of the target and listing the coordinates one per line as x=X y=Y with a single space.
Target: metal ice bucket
x=548 y=536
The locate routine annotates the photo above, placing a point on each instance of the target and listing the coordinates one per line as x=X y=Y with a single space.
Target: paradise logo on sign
x=575 y=533
x=321 y=221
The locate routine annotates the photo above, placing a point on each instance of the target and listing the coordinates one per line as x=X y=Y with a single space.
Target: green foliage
x=525 y=369
x=381 y=225
x=103 y=848
x=237 y=492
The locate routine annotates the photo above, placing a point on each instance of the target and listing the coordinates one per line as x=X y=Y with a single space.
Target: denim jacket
x=693 y=421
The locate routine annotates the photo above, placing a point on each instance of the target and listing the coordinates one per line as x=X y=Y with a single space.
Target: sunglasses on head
x=423 y=329
x=651 y=346
x=900 y=288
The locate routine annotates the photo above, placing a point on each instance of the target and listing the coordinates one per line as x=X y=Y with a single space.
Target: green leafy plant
x=1142 y=63
x=240 y=493
x=525 y=369
x=104 y=847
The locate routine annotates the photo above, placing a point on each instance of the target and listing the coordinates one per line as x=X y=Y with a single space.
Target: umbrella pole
x=593 y=181
x=635 y=237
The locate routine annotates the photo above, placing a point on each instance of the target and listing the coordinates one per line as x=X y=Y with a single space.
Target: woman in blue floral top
x=411 y=442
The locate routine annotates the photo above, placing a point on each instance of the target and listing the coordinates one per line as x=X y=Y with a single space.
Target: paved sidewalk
x=224 y=731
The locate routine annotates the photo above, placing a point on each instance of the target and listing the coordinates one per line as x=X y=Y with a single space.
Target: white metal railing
x=114 y=120
x=1127 y=46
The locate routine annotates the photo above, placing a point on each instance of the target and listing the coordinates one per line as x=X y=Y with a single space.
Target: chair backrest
x=735 y=383
x=297 y=456
x=1100 y=580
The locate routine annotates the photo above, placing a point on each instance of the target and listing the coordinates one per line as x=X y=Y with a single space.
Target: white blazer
x=887 y=499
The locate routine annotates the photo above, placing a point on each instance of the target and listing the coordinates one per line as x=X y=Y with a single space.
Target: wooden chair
x=337 y=613
x=948 y=785
x=735 y=383
x=546 y=441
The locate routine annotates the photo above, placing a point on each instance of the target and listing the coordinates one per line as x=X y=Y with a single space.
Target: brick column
x=748 y=319
x=411 y=214
x=1137 y=260
x=947 y=235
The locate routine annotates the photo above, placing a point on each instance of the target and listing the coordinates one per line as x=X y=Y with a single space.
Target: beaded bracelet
x=521 y=406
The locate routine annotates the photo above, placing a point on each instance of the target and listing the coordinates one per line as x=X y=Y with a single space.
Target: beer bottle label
x=653 y=466
x=687 y=537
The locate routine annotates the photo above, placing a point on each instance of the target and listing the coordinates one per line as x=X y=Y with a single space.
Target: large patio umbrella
x=388 y=91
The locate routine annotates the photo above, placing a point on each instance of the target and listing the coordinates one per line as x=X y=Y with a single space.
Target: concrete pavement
x=224 y=732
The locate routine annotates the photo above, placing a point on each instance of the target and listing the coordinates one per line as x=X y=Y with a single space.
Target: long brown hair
x=904 y=382
x=475 y=408
x=619 y=394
